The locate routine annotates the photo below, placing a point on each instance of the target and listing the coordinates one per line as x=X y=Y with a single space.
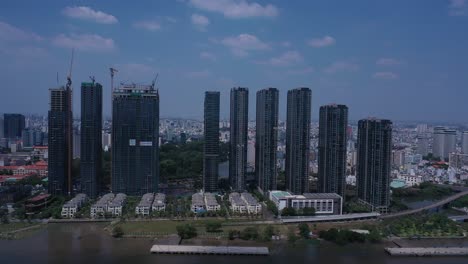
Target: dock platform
x=209 y=250
x=423 y=252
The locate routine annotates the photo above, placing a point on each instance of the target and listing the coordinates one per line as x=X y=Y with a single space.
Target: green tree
x=268 y=232
x=249 y=233
x=117 y=232
x=186 y=231
x=213 y=227
x=304 y=230
x=288 y=211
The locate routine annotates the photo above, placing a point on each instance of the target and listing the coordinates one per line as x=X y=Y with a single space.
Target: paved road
x=434 y=205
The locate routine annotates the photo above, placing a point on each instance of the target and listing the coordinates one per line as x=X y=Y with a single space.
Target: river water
x=88 y=243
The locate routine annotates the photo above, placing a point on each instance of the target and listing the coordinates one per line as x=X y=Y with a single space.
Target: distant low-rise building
x=198 y=203
x=210 y=202
x=70 y=208
x=159 y=203
x=323 y=203
x=115 y=207
x=100 y=207
x=238 y=205
x=411 y=180
x=253 y=206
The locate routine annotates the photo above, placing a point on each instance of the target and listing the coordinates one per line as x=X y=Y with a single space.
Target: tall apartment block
x=266 y=139
x=91 y=139
x=135 y=139
x=60 y=141
x=444 y=142
x=238 y=138
x=13 y=125
x=332 y=149
x=298 y=118
x=374 y=163
x=211 y=147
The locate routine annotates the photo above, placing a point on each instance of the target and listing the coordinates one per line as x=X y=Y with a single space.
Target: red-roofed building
x=37 y=203
x=39 y=168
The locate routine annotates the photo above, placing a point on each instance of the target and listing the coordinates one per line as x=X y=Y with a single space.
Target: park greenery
x=460 y=202
x=186 y=231
x=344 y=236
x=424 y=191
x=423 y=225
x=117 y=232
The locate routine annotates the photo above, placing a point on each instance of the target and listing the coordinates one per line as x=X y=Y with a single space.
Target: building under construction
x=135 y=139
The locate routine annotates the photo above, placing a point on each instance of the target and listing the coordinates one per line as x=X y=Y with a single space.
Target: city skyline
x=401 y=66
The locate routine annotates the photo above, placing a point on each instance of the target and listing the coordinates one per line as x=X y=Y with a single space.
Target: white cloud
x=321 y=42
x=341 y=66
x=236 y=8
x=89 y=14
x=85 y=42
x=286 y=59
x=286 y=44
x=200 y=22
x=386 y=75
x=9 y=33
x=388 y=62
x=304 y=71
x=149 y=25
x=199 y=74
x=458 y=7
x=207 y=56
x=241 y=44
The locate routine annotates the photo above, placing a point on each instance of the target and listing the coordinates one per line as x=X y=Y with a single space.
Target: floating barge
x=209 y=250
x=426 y=252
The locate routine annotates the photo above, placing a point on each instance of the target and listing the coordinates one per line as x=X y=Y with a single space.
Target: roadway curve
x=434 y=205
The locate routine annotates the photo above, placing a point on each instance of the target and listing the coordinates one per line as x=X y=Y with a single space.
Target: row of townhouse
x=244 y=203
x=151 y=202
x=204 y=202
x=70 y=208
x=109 y=203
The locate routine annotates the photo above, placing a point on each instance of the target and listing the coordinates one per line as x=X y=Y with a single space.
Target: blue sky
x=399 y=59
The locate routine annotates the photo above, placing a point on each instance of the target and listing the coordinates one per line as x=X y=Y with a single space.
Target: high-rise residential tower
x=135 y=139
x=60 y=141
x=13 y=125
x=211 y=146
x=91 y=139
x=238 y=138
x=465 y=142
x=266 y=139
x=374 y=163
x=333 y=123
x=298 y=120
x=444 y=142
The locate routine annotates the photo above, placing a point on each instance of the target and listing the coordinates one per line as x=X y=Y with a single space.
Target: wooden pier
x=209 y=250
x=426 y=252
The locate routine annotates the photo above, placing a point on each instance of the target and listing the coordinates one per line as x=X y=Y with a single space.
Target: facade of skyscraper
x=298 y=118
x=60 y=141
x=333 y=123
x=135 y=139
x=91 y=139
x=374 y=163
x=211 y=146
x=238 y=138
x=13 y=125
x=423 y=145
x=266 y=139
x=444 y=142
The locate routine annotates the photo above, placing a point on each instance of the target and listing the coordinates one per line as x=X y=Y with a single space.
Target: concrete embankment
x=423 y=252
x=209 y=250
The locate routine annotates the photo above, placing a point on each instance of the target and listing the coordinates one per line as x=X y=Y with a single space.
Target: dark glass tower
x=60 y=141
x=298 y=140
x=13 y=125
x=91 y=139
x=135 y=139
x=266 y=138
x=238 y=137
x=211 y=147
x=332 y=149
x=374 y=163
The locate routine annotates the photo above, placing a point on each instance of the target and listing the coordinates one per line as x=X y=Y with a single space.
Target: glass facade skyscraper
x=135 y=139
x=211 y=146
x=238 y=137
x=333 y=123
x=91 y=139
x=298 y=118
x=374 y=154
x=266 y=139
x=13 y=125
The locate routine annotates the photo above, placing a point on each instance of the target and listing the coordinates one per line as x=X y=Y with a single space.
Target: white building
x=411 y=180
x=71 y=207
x=144 y=206
x=115 y=207
x=211 y=203
x=253 y=206
x=159 y=203
x=323 y=203
x=100 y=207
x=238 y=205
x=198 y=203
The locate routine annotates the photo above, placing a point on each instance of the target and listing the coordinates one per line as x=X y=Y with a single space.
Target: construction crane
x=93 y=79
x=112 y=73
x=69 y=81
x=154 y=81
